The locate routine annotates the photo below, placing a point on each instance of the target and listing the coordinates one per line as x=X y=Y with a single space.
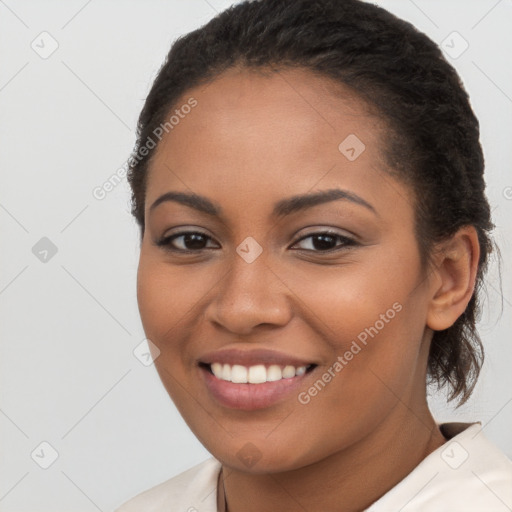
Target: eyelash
x=166 y=242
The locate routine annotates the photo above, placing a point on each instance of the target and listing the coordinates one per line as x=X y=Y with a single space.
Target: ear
x=453 y=279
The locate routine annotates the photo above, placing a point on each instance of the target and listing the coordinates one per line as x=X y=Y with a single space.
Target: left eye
x=326 y=241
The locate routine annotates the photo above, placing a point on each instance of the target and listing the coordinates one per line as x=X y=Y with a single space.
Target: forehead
x=283 y=132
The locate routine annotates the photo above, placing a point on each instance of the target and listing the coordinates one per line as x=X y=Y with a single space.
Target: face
x=320 y=303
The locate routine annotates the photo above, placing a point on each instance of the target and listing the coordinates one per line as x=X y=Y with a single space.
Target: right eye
x=185 y=241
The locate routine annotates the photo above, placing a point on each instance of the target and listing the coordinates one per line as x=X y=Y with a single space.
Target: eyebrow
x=282 y=208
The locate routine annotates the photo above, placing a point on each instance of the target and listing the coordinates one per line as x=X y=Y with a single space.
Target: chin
x=260 y=457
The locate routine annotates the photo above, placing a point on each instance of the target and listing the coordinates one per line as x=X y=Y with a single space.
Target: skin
x=251 y=141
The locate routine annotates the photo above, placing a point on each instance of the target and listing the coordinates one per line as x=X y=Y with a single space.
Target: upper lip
x=252 y=357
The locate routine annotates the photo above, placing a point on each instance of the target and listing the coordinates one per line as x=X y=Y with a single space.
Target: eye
x=185 y=241
x=196 y=241
x=325 y=241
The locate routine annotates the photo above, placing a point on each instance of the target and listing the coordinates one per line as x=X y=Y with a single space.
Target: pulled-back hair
x=433 y=139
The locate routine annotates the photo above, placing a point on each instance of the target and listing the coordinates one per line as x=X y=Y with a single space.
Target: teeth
x=238 y=374
x=274 y=373
x=256 y=374
x=301 y=370
x=288 y=372
x=226 y=372
x=217 y=370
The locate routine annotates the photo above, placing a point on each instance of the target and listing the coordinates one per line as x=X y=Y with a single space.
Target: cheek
x=167 y=296
x=373 y=317
x=344 y=300
x=163 y=302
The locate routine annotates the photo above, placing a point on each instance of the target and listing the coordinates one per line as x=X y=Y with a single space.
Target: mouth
x=257 y=379
x=255 y=374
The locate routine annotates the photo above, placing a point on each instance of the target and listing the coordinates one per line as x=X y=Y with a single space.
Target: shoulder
x=193 y=489
x=468 y=473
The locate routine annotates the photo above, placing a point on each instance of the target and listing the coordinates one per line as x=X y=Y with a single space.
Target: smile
x=255 y=374
x=253 y=379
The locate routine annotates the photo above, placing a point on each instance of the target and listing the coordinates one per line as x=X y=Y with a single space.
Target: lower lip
x=249 y=397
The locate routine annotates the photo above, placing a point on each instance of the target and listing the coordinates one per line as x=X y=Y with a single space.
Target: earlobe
x=454 y=280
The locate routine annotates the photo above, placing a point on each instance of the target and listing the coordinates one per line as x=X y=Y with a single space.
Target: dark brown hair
x=433 y=141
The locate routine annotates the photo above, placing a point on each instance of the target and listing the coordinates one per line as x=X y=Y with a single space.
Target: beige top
x=467 y=474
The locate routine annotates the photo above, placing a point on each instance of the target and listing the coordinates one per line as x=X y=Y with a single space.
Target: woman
x=308 y=181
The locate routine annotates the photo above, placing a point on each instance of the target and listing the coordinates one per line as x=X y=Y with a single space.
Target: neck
x=349 y=480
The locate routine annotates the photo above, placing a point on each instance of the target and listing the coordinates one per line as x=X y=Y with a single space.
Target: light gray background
x=69 y=325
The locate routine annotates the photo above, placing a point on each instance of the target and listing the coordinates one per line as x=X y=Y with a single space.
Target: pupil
x=326 y=241
x=194 y=241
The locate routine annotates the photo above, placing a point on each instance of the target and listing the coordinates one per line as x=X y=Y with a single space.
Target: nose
x=250 y=296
